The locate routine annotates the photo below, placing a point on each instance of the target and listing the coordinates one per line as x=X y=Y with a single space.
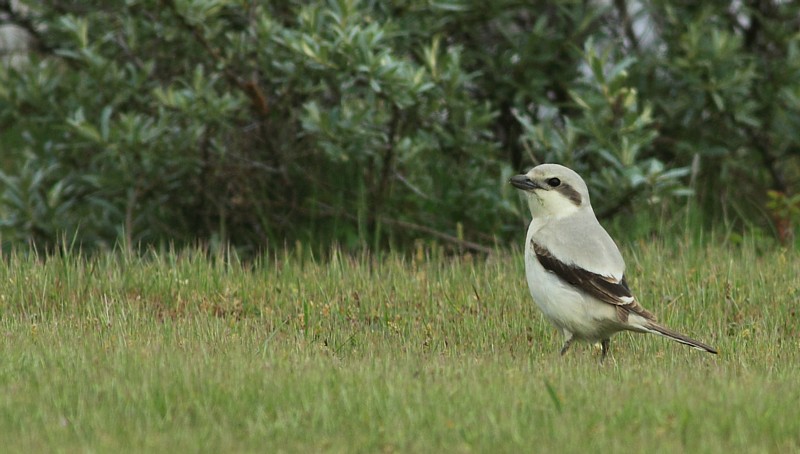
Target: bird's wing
x=609 y=289
x=580 y=241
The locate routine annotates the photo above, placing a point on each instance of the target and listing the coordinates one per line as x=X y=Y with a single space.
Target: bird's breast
x=563 y=305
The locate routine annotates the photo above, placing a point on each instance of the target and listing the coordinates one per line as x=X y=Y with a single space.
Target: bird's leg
x=567 y=343
x=604 y=344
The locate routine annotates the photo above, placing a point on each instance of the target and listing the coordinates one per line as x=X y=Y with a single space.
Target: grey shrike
x=575 y=271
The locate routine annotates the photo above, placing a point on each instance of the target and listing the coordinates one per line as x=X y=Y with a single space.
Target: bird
x=575 y=271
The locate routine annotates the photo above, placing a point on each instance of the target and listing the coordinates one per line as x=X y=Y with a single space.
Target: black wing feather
x=604 y=288
x=601 y=287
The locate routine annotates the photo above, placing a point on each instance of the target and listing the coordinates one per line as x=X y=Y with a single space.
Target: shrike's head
x=553 y=190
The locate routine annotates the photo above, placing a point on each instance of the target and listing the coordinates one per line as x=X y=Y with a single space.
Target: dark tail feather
x=678 y=337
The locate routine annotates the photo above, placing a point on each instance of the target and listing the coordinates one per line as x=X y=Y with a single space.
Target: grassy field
x=392 y=354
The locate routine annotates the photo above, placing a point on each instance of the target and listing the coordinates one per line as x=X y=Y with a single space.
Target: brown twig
x=466 y=244
x=435 y=233
x=249 y=87
x=627 y=23
x=388 y=160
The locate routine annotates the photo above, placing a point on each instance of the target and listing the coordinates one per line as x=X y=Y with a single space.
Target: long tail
x=678 y=337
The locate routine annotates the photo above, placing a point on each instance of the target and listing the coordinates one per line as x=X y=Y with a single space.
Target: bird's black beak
x=523 y=182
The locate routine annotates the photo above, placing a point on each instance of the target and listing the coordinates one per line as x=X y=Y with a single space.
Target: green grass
x=365 y=354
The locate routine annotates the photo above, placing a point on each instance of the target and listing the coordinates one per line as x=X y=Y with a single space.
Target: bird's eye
x=554 y=182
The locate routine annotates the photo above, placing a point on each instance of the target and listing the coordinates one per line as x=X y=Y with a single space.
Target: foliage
x=377 y=123
x=728 y=95
x=610 y=133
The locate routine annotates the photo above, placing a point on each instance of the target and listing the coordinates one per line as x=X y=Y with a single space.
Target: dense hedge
x=376 y=123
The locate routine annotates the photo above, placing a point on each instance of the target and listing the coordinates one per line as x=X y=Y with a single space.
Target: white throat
x=550 y=204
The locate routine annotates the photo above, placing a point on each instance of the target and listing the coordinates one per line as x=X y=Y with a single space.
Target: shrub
x=377 y=123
